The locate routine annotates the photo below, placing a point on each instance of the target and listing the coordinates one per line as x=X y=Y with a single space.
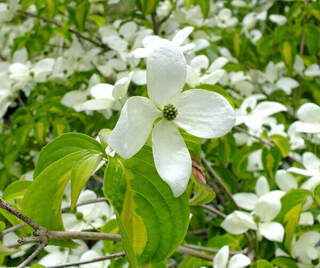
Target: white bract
x=199 y=112
x=309 y=118
x=236 y=261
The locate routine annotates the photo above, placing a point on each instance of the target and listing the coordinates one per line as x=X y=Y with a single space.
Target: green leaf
x=202 y=193
x=97 y=19
x=271 y=160
x=290 y=200
x=292 y=220
x=148 y=6
x=284 y=262
x=152 y=221
x=312 y=38
x=262 y=264
x=204 y=6
x=282 y=143
x=42 y=202
x=41 y=128
x=287 y=53
x=60 y=126
x=316 y=193
x=16 y=190
x=81 y=172
x=2 y=226
x=58 y=161
x=51 y=7
x=62 y=146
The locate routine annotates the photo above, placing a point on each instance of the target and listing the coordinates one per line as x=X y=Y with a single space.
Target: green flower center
x=79 y=216
x=169 y=112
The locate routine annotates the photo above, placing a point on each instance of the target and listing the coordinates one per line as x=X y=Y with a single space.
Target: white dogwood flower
x=199 y=112
x=265 y=205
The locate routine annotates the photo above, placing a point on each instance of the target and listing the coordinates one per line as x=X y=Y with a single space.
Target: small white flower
x=264 y=204
x=199 y=112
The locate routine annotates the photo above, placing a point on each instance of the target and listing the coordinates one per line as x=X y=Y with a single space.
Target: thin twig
x=60 y=235
x=220 y=181
x=7 y=207
x=193 y=252
x=209 y=249
x=11 y=229
x=86 y=202
x=113 y=256
x=34 y=254
x=56 y=23
x=213 y=210
x=266 y=142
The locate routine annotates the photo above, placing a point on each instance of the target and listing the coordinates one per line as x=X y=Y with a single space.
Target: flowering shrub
x=159 y=133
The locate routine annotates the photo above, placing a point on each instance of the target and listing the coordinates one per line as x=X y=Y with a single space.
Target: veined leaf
x=42 y=202
x=72 y=155
x=152 y=221
x=292 y=220
x=62 y=146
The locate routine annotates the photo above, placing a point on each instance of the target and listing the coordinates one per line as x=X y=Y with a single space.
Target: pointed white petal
x=262 y=186
x=102 y=91
x=128 y=30
x=300 y=171
x=94 y=105
x=311 y=184
x=166 y=71
x=139 y=77
x=218 y=64
x=272 y=231
x=239 y=261
x=313 y=70
x=182 y=35
x=133 y=127
x=269 y=205
x=221 y=258
x=204 y=114
x=268 y=108
x=287 y=84
x=278 y=19
x=238 y=222
x=213 y=77
x=285 y=181
x=309 y=113
x=73 y=97
x=140 y=53
x=171 y=156
x=307 y=127
x=246 y=200
x=306 y=218
x=311 y=163
x=199 y=62
x=120 y=88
